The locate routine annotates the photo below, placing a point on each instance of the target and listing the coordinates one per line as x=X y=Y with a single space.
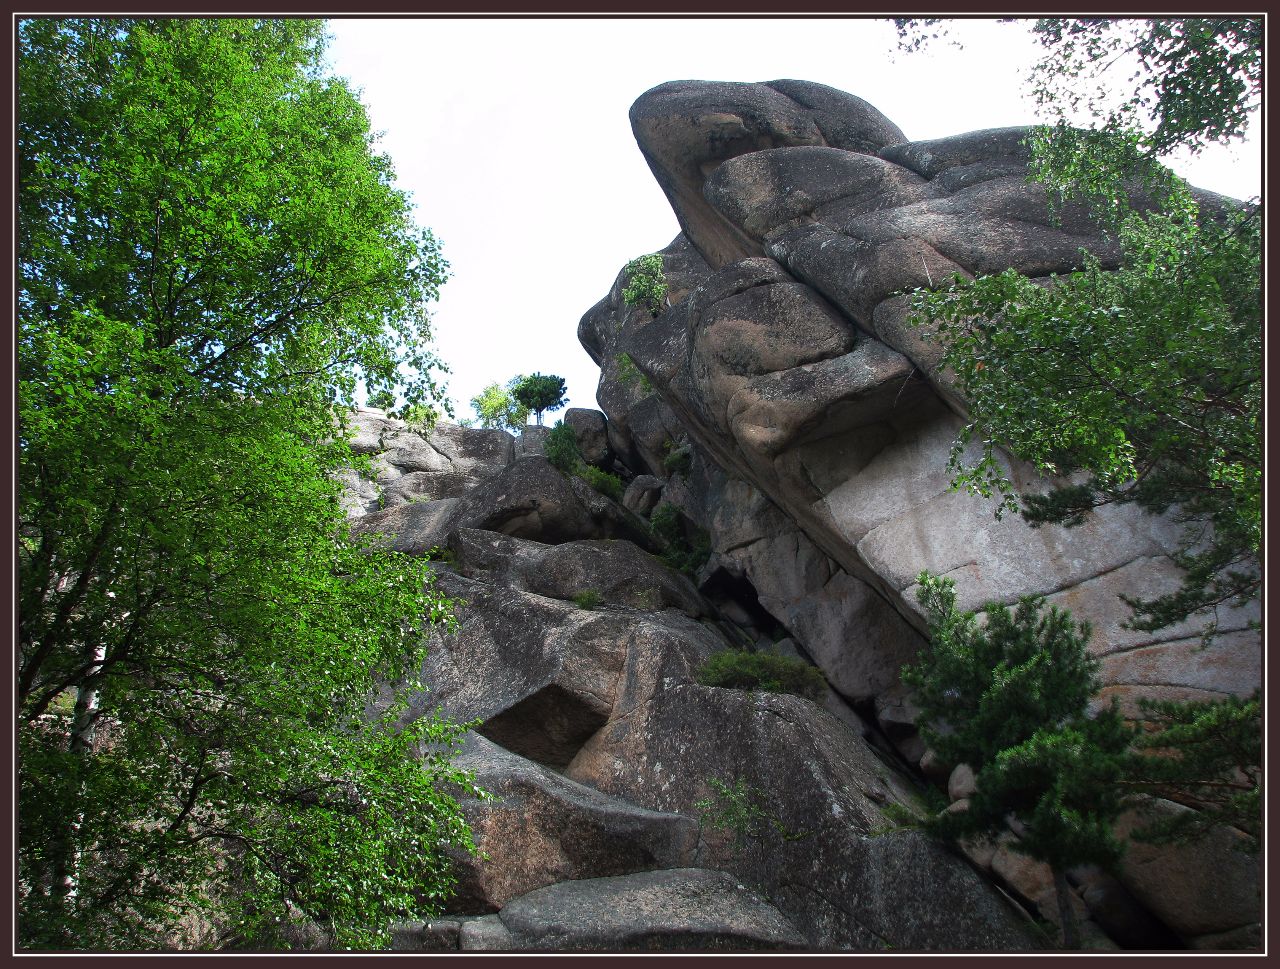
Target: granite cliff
x=789 y=411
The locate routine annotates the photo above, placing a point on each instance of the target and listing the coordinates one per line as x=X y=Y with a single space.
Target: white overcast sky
x=512 y=136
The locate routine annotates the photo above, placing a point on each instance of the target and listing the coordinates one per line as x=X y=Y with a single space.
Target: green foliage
x=540 y=392
x=420 y=418
x=211 y=255
x=630 y=374
x=609 y=485
x=1197 y=80
x=497 y=407
x=739 y=670
x=678 y=459
x=994 y=686
x=740 y=808
x=646 y=285
x=561 y=448
x=1208 y=754
x=442 y=554
x=686 y=547
x=1010 y=700
x=587 y=599
x=1147 y=378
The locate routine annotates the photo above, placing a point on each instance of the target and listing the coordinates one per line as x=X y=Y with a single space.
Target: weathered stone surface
x=544 y=675
x=1231 y=665
x=682 y=909
x=856 y=637
x=531 y=439
x=766 y=190
x=485 y=934
x=642 y=494
x=1119 y=914
x=440 y=935
x=1206 y=887
x=366 y=426
x=962 y=783
x=528 y=499
x=1148 y=577
x=592 y=432
x=413 y=527
x=828 y=416
x=619 y=571
x=823 y=788
x=544 y=828
x=686 y=129
x=411 y=466
x=1247 y=938
x=1032 y=880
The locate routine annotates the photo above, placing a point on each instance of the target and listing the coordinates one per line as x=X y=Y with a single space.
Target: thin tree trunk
x=83 y=727
x=1070 y=933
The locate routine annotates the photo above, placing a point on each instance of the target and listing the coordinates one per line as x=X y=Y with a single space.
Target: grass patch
x=768 y=672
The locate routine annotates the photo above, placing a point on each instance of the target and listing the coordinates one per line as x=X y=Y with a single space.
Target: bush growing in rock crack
x=561 y=449
x=630 y=374
x=678 y=458
x=646 y=283
x=682 y=553
x=738 y=808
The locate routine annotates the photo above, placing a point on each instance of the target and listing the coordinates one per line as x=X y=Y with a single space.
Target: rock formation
x=790 y=412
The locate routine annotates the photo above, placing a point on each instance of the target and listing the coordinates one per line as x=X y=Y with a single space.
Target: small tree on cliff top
x=540 y=392
x=497 y=407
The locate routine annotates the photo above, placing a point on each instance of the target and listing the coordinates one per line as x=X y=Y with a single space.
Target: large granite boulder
x=541 y=828
x=528 y=498
x=410 y=465
x=686 y=129
x=617 y=571
x=543 y=675
x=847 y=425
x=820 y=847
x=684 y=909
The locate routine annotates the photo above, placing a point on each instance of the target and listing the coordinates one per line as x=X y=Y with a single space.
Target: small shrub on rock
x=609 y=485
x=630 y=374
x=682 y=553
x=678 y=460
x=646 y=283
x=738 y=670
x=561 y=448
x=587 y=599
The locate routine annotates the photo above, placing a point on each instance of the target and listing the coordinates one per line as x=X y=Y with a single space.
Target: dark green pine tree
x=540 y=392
x=1010 y=699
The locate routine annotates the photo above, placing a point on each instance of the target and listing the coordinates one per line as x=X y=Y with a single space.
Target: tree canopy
x=540 y=392
x=211 y=255
x=496 y=406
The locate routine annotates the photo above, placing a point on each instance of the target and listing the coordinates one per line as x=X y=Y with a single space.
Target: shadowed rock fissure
x=549 y=727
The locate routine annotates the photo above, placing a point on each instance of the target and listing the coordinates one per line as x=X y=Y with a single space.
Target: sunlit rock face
x=788 y=356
